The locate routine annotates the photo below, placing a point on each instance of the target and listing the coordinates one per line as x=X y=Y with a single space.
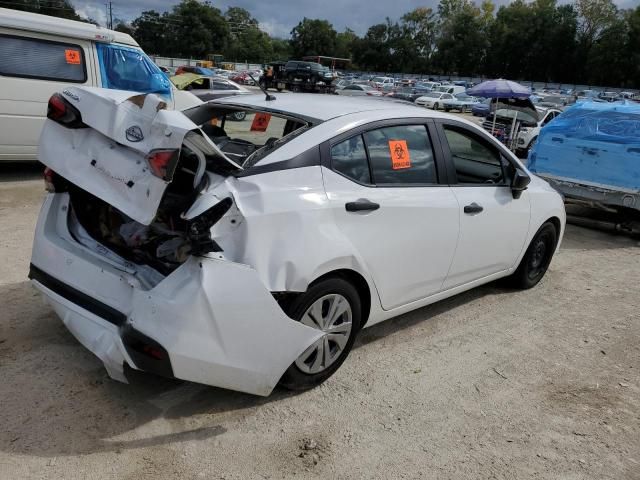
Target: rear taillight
x=163 y=163
x=62 y=112
x=49 y=175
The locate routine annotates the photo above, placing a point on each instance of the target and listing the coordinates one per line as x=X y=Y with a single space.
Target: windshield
x=128 y=68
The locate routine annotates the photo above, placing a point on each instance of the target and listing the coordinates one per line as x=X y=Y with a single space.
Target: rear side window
x=401 y=155
x=350 y=158
x=42 y=59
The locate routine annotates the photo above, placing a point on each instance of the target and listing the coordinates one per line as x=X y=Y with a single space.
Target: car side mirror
x=519 y=183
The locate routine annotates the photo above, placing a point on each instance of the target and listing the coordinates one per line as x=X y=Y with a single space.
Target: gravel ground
x=490 y=384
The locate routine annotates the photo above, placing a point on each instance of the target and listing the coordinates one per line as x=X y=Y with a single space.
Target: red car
x=242 y=78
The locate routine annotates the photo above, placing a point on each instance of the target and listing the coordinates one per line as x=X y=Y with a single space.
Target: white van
x=452 y=89
x=41 y=55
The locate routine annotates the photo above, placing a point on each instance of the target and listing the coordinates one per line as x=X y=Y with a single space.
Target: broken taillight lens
x=163 y=163
x=61 y=111
x=49 y=185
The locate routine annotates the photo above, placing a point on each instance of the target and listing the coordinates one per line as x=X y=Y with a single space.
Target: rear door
x=32 y=68
x=493 y=225
x=383 y=185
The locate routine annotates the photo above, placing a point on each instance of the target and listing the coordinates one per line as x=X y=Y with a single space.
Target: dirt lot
x=491 y=384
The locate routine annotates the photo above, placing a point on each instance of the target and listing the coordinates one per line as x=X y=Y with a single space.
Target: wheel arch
x=359 y=282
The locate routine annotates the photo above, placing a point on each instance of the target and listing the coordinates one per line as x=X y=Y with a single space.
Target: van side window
x=42 y=59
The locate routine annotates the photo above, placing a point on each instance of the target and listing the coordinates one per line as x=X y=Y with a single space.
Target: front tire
x=536 y=259
x=333 y=306
x=436 y=106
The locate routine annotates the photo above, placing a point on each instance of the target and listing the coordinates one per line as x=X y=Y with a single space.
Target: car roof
x=320 y=107
x=34 y=22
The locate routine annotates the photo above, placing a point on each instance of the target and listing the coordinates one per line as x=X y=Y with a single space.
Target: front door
x=493 y=225
x=390 y=209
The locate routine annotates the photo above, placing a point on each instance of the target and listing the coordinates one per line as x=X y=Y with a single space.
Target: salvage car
x=244 y=258
x=529 y=131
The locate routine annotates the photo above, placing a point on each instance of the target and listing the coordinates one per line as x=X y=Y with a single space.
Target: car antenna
x=264 y=90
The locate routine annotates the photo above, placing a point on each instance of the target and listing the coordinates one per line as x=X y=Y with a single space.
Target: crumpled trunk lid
x=109 y=158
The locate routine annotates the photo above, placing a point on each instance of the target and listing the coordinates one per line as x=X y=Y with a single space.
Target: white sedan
x=359 y=91
x=247 y=254
x=433 y=100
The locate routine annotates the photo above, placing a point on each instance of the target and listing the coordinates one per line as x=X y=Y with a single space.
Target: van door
x=33 y=67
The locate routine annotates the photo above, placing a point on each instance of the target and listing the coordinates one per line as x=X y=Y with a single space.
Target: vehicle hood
x=109 y=157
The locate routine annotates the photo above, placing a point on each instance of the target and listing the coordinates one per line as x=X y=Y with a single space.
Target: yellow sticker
x=72 y=57
x=399 y=154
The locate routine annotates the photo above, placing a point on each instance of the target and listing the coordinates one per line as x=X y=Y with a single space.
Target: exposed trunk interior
x=169 y=240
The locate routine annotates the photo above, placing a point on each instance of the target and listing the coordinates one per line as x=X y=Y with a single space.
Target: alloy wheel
x=333 y=316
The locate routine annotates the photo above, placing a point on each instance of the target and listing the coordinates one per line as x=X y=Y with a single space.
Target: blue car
x=482 y=109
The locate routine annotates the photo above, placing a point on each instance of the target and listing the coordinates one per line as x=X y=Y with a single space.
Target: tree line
x=587 y=41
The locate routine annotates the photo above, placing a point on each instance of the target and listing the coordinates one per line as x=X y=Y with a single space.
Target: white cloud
x=93 y=11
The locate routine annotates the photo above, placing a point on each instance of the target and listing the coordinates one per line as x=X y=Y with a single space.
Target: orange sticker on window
x=399 y=154
x=72 y=57
x=260 y=122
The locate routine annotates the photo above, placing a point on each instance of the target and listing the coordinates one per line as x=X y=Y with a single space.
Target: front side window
x=401 y=155
x=350 y=158
x=475 y=161
x=128 y=68
x=42 y=59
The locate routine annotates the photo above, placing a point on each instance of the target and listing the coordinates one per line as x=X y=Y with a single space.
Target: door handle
x=473 y=208
x=361 y=205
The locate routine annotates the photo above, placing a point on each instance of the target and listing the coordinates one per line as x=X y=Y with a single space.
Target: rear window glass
x=42 y=59
x=246 y=137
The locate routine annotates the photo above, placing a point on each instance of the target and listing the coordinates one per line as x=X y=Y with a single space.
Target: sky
x=278 y=17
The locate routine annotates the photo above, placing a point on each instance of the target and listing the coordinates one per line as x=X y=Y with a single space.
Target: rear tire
x=436 y=106
x=536 y=259
x=314 y=308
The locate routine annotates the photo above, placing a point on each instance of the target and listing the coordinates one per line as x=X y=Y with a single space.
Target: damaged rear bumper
x=594 y=195
x=211 y=321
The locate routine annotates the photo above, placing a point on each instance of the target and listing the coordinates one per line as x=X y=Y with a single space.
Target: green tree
x=462 y=40
x=54 y=8
x=246 y=41
x=152 y=32
x=376 y=49
x=417 y=37
x=124 y=27
x=197 y=29
x=281 y=49
x=632 y=48
x=345 y=42
x=313 y=37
